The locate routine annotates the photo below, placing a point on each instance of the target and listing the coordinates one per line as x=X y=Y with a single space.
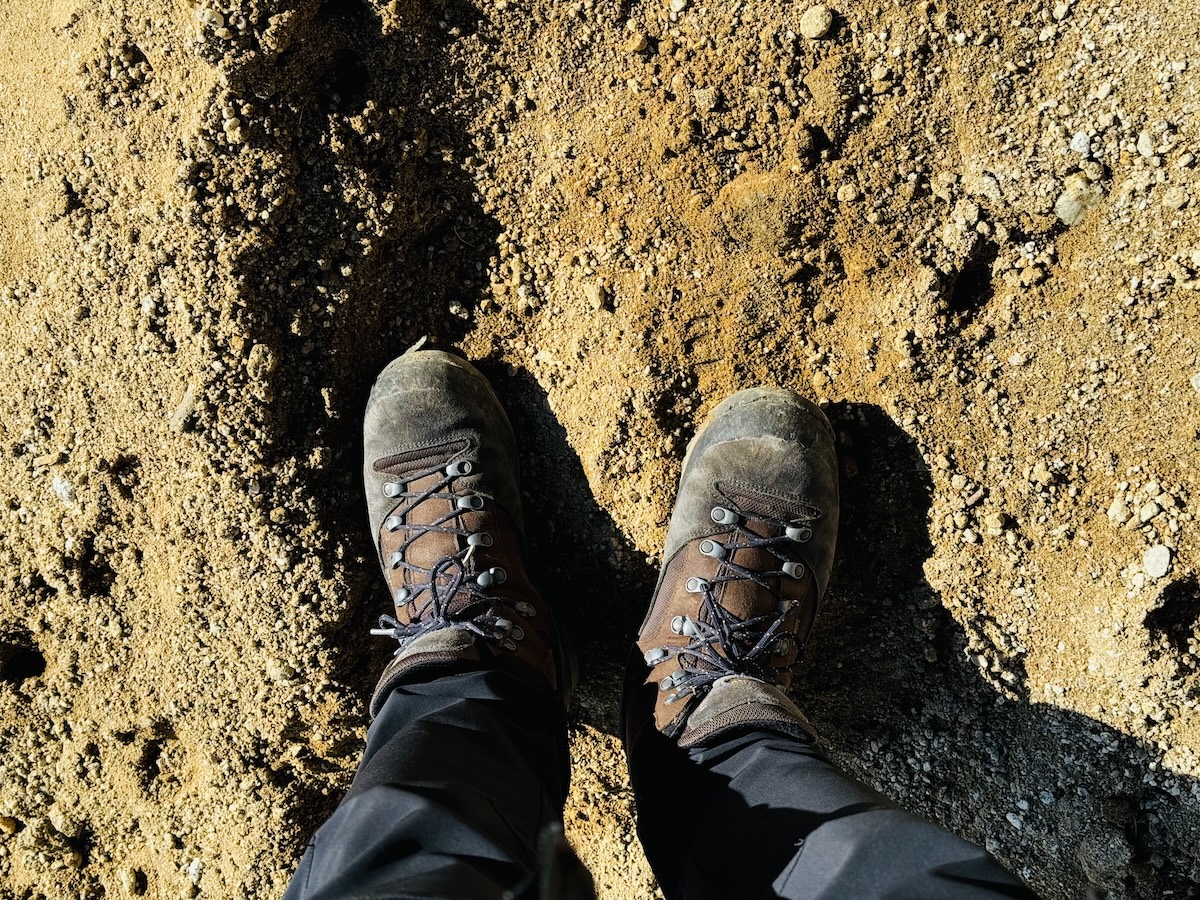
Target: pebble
x=1079 y=197
x=1081 y=144
x=1157 y=561
x=824 y=314
x=637 y=42
x=1175 y=197
x=1195 y=382
x=817 y=22
x=1148 y=512
x=182 y=417
x=596 y=295
x=678 y=6
x=64 y=489
x=847 y=193
x=261 y=362
x=1118 y=513
x=1145 y=144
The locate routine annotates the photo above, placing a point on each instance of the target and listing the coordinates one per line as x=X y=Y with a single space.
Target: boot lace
x=445 y=595
x=723 y=643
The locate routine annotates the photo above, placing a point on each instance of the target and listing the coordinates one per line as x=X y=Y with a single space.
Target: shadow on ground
x=1065 y=800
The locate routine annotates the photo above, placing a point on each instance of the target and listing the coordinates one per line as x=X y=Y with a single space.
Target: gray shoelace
x=448 y=598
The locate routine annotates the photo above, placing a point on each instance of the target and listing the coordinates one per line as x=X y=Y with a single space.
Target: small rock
x=1175 y=197
x=261 y=362
x=133 y=881
x=678 y=6
x=637 y=42
x=1145 y=144
x=1157 y=561
x=64 y=489
x=596 y=295
x=823 y=314
x=969 y=536
x=1041 y=474
x=1118 y=513
x=9 y=825
x=181 y=419
x=706 y=99
x=1079 y=197
x=1081 y=144
x=1148 y=512
x=817 y=22
x=848 y=193
x=1195 y=382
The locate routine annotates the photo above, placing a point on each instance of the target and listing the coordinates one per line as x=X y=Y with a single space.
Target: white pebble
x=1081 y=143
x=1157 y=561
x=1079 y=197
x=64 y=489
x=1145 y=144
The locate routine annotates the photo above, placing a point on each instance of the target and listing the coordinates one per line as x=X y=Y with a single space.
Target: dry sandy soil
x=970 y=229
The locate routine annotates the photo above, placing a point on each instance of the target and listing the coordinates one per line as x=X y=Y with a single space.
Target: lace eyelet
x=723 y=516
x=490 y=577
x=655 y=655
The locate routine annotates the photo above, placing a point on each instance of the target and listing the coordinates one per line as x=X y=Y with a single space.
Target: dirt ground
x=970 y=229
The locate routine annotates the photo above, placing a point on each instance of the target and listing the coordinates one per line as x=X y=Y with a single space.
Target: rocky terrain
x=971 y=230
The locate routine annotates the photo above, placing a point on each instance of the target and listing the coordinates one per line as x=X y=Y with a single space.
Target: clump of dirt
x=970 y=231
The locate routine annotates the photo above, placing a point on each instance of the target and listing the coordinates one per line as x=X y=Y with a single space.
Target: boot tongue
x=427 y=549
x=743 y=597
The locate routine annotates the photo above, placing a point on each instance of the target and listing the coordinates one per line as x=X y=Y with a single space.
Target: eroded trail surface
x=970 y=229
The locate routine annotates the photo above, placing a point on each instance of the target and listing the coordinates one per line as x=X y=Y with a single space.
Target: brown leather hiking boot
x=747 y=560
x=440 y=468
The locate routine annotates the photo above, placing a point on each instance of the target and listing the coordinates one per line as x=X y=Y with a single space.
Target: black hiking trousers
x=461 y=790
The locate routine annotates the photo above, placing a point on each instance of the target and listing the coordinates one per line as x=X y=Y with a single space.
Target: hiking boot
x=747 y=560
x=440 y=468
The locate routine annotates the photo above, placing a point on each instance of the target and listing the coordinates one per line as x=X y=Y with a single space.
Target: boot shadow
x=1064 y=800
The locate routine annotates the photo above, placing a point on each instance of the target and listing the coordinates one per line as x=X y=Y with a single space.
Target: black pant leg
x=759 y=814
x=461 y=775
